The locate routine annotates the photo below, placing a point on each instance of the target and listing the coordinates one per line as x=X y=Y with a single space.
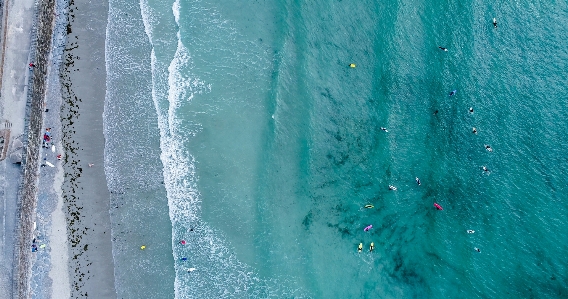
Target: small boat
x=439 y=207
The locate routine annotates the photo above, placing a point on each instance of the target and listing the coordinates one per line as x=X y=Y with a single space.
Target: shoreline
x=84 y=191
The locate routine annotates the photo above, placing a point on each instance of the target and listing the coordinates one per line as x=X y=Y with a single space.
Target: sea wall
x=27 y=199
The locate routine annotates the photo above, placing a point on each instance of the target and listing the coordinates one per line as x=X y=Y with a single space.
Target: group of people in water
x=436 y=205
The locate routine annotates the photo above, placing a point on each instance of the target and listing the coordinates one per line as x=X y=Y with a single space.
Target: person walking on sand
x=91 y=164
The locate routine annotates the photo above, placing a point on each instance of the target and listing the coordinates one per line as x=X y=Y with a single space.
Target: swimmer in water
x=435 y=112
x=384 y=129
x=488 y=148
x=392 y=188
x=477 y=249
x=494 y=22
x=453 y=92
x=360 y=248
x=474 y=131
x=418 y=181
x=470 y=109
x=443 y=49
x=372 y=247
x=470 y=231
x=485 y=168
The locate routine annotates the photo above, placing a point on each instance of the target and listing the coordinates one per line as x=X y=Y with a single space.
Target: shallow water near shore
x=271 y=147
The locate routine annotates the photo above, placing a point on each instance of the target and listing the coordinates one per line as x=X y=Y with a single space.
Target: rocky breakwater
x=27 y=200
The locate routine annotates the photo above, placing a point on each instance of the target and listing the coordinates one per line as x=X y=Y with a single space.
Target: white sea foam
x=220 y=273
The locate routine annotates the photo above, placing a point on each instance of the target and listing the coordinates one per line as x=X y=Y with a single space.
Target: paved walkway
x=14 y=72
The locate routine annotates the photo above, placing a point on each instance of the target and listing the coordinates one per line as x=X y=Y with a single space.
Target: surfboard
x=53 y=148
x=49 y=164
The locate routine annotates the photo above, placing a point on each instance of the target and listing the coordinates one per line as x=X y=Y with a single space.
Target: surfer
x=392 y=188
x=470 y=231
x=369 y=206
x=453 y=92
x=435 y=112
x=360 y=248
x=418 y=181
x=477 y=249
x=488 y=148
x=474 y=131
x=485 y=168
x=384 y=129
x=494 y=22
x=443 y=49
x=191 y=270
x=372 y=247
x=368 y=228
x=470 y=109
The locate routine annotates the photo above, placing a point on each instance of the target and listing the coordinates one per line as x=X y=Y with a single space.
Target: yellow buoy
x=352 y=65
x=143 y=247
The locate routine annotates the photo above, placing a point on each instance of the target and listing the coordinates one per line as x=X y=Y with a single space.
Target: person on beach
x=91 y=164
x=59 y=157
x=32 y=65
x=191 y=270
x=443 y=49
x=46 y=140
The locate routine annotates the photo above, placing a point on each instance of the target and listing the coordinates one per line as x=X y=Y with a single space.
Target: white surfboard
x=53 y=148
x=49 y=164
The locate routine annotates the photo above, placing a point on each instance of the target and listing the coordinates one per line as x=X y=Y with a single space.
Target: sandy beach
x=62 y=205
x=84 y=190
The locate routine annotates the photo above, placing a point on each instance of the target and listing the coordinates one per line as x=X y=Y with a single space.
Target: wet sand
x=85 y=194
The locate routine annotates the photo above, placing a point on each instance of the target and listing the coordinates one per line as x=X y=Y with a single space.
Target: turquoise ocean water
x=239 y=127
